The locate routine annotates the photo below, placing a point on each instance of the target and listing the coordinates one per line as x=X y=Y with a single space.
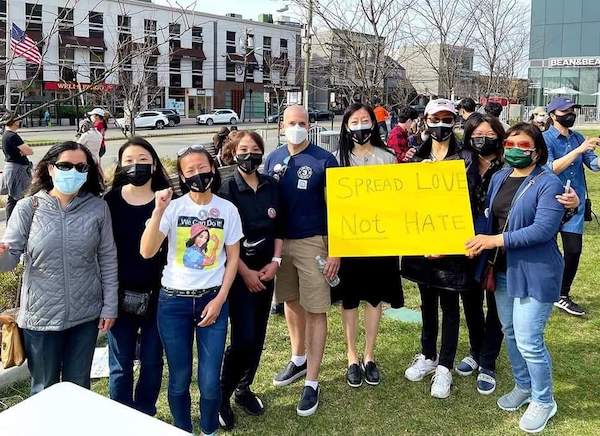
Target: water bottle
x=321 y=264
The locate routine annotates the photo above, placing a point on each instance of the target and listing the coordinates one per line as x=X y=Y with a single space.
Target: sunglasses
x=186 y=150
x=68 y=166
x=445 y=120
x=522 y=145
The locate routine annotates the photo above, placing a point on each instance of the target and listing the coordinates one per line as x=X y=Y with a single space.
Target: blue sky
x=250 y=9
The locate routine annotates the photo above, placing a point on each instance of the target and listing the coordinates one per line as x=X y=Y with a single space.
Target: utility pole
x=245 y=49
x=307 y=54
x=8 y=60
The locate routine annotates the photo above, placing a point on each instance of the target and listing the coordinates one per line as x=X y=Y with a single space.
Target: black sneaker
x=226 y=416
x=249 y=402
x=569 y=306
x=371 y=373
x=289 y=374
x=309 y=401
x=354 y=376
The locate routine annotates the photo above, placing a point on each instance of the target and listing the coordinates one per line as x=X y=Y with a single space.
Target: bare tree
x=361 y=35
x=500 y=37
x=440 y=33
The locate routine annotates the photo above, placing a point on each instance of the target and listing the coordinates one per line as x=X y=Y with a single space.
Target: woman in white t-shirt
x=203 y=232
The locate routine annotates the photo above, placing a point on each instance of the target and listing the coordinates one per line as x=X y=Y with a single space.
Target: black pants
x=448 y=300
x=10 y=205
x=485 y=331
x=249 y=314
x=572 y=246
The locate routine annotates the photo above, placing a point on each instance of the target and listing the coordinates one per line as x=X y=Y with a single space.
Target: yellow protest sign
x=403 y=209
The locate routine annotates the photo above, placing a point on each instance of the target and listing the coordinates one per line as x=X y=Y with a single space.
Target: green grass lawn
x=400 y=407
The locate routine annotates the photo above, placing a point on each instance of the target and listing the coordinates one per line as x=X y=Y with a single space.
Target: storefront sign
x=573 y=62
x=72 y=86
x=396 y=210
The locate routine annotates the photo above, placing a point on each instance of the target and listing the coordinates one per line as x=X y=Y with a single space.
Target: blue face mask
x=68 y=182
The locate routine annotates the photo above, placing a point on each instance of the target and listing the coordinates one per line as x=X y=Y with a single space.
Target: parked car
x=151 y=119
x=172 y=115
x=313 y=115
x=218 y=116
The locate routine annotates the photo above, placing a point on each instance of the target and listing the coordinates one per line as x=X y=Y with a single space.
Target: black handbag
x=588 y=214
x=135 y=303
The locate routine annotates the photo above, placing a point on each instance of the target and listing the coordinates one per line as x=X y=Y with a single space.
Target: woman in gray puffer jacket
x=69 y=291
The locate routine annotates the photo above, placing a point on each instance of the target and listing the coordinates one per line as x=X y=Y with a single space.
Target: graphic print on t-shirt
x=200 y=240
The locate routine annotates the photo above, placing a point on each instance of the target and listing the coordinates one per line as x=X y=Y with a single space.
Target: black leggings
x=448 y=300
x=572 y=246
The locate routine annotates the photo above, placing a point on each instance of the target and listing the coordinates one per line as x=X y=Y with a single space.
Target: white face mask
x=539 y=119
x=296 y=134
x=361 y=126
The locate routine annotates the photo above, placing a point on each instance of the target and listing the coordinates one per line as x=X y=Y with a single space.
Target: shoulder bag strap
x=34 y=206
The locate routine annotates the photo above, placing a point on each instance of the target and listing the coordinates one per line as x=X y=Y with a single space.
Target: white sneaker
x=420 y=368
x=441 y=382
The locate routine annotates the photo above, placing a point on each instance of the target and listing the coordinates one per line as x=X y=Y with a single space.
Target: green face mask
x=517 y=158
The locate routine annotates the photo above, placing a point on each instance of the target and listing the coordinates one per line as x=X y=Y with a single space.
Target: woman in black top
x=440 y=279
x=17 y=168
x=257 y=199
x=139 y=174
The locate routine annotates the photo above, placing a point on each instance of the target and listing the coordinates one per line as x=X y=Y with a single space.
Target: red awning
x=193 y=53
x=82 y=41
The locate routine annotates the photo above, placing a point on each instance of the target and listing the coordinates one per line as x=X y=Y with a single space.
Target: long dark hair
x=160 y=179
x=538 y=139
x=216 y=184
x=475 y=121
x=347 y=144
x=41 y=177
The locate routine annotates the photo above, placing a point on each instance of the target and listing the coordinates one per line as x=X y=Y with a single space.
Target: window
x=34 y=72
x=267 y=42
x=174 y=44
x=152 y=80
x=149 y=27
x=230 y=38
x=175 y=80
x=283 y=43
x=33 y=12
x=175 y=65
x=152 y=63
x=2 y=8
x=197 y=38
x=124 y=23
x=96 y=20
x=174 y=30
x=97 y=57
x=197 y=81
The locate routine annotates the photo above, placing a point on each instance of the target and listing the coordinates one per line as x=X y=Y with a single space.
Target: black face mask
x=200 y=182
x=484 y=146
x=440 y=133
x=249 y=162
x=567 y=120
x=137 y=174
x=361 y=136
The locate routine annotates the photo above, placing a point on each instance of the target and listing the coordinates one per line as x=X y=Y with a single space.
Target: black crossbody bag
x=135 y=303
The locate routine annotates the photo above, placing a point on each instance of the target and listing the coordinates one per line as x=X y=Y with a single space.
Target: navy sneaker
x=466 y=366
x=289 y=374
x=486 y=381
x=309 y=401
x=249 y=402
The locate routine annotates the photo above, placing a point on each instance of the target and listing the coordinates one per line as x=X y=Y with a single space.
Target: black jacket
x=455 y=273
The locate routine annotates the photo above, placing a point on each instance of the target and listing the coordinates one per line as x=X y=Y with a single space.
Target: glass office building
x=564 y=50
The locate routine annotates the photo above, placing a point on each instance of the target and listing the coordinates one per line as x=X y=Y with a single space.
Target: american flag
x=23 y=46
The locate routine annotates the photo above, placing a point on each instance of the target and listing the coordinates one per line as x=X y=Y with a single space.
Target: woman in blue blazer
x=523 y=219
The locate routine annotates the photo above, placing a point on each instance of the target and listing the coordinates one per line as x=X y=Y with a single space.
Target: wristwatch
x=276 y=259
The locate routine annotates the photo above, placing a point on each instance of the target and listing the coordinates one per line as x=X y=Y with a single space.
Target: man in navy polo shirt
x=300 y=168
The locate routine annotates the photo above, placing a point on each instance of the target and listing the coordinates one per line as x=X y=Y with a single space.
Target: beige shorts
x=299 y=278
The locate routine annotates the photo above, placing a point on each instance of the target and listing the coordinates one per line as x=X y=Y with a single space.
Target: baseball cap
x=97 y=111
x=561 y=104
x=439 y=105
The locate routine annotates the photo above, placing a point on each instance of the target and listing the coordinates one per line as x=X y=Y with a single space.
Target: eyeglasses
x=186 y=150
x=522 y=145
x=445 y=120
x=68 y=166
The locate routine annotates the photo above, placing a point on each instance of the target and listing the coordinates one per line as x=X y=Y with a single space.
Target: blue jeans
x=523 y=323
x=178 y=319
x=122 y=343
x=54 y=356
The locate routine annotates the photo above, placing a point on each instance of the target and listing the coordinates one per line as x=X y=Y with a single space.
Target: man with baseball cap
x=568 y=152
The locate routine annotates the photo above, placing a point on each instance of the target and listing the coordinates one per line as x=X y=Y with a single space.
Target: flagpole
x=7 y=70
